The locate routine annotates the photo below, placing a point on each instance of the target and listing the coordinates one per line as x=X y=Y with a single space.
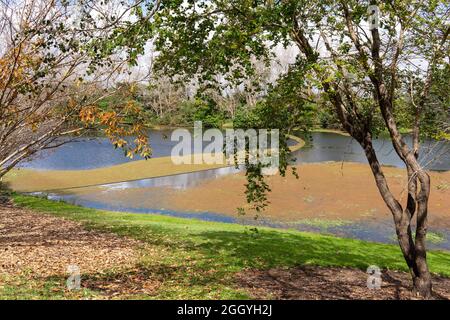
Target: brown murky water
x=335 y=197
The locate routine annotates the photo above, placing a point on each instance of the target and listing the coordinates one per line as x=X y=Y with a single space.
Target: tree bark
x=414 y=251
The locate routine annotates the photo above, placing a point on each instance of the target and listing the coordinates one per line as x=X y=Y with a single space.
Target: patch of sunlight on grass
x=432 y=237
x=199 y=259
x=322 y=223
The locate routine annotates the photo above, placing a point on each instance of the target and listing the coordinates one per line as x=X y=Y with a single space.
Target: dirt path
x=315 y=283
x=42 y=245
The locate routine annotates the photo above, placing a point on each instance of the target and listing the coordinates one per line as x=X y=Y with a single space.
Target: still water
x=90 y=153
x=335 y=147
x=94 y=153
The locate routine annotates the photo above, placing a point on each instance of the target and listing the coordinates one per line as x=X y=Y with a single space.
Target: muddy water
x=214 y=195
x=375 y=231
x=205 y=190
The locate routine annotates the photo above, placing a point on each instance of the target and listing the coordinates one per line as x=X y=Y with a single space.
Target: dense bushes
x=202 y=109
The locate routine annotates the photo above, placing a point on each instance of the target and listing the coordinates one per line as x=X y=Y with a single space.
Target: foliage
x=58 y=60
x=203 y=109
x=436 y=116
x=118 y=119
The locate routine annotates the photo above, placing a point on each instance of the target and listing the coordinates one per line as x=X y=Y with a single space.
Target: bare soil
x=316 y=283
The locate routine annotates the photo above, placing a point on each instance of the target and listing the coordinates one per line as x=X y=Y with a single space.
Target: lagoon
x=154 y=195
x=90 y=153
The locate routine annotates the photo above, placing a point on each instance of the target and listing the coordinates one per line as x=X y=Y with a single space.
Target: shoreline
x=310 y=199
x=223 y=257
x=32 y=180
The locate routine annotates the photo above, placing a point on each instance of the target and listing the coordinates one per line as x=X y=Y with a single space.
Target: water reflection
x=334 y=147
x=178 y=181
x=98 y=152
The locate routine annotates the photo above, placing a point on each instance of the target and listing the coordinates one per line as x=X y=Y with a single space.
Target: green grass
x=323 y=224
x=432 y=237
x=198 y=259
x=27 y=288
x=435 y=237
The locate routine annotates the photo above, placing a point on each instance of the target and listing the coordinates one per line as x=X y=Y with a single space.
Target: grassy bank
x=198 y=259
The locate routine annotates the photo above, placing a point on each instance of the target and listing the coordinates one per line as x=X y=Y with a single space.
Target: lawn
x=197 y=259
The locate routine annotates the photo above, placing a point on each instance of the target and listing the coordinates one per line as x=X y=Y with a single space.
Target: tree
x=57 y=61
x=355 y=53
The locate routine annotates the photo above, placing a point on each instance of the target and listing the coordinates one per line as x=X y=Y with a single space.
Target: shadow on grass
x=271 y=249
x=197 y=258
x=207 y=269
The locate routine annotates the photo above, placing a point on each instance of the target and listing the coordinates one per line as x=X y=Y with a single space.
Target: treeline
x=167 y=103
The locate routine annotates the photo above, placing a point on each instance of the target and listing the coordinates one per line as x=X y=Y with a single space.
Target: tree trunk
x=358 y=127
x=414 y=251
